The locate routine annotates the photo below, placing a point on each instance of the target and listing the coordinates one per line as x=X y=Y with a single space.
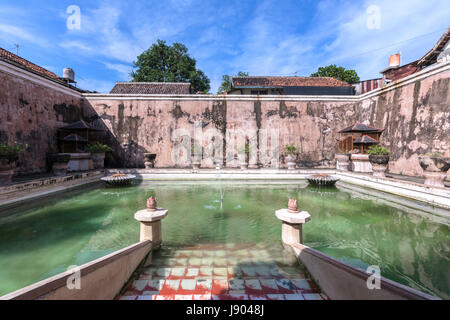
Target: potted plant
x=8 y=160
x=98 y=151
x=435 y=167
x=60 y=163
x=291 y=152
x=379 y=158
x=149 y=160
x=244 y=156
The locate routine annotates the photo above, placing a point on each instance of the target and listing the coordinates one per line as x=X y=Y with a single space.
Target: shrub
x=11 y=152
x=291 y=150
x=98 y=147
x=378 y=151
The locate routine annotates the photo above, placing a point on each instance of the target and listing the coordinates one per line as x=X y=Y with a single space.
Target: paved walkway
x=223 y=272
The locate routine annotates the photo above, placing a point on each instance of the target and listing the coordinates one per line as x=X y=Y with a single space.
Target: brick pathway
x=223 y=272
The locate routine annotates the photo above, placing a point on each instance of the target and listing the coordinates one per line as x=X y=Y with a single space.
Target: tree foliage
x=339 y=73
x=164 y=63
x=226 y=82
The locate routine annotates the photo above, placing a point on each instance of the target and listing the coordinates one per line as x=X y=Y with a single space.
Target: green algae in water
x=358 y=229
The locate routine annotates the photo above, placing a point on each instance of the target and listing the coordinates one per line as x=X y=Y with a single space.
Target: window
x=259 y=92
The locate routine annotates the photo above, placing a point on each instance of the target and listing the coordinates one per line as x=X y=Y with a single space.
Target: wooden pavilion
x=359 y=136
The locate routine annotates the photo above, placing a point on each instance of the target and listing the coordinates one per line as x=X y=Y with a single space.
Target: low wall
x=101 y=279
x=341 y=281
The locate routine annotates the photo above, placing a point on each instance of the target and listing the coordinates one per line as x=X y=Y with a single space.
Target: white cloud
x=122 y=69
x=11 y=33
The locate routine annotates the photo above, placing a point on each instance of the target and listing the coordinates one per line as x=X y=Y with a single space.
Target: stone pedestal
x=291 y=231
x=151 y=225
x=361 y=163
x=80 y=162
x=435 y=179
x=149 y=160
x=98 y=160
x=291 y=162
x=343 y=162
x=379 y=170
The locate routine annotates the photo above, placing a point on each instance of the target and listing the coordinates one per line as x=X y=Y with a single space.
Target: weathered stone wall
x=30 y=113
x=147 y=125
x=416 y=118
x=415 y=115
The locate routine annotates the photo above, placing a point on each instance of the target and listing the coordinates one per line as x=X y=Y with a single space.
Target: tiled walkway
x=223 y=272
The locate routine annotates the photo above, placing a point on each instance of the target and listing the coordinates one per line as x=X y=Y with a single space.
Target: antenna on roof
x=17 y=48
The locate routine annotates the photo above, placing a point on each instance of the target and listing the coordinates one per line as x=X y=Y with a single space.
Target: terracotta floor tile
x=204 y=286
x=230 y=297
x=285 y=286
x=170 y=287
x=202 y=297
x=220 y=286
x=269 y=286
x=183 y=297
x=154 y=285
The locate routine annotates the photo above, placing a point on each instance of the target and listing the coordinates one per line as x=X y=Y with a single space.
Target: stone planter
x=149 y=160
x=243 y=165
x=435 y=170
x=343 y=162
x=60 y=163
x=291 y=162
x=361 y=163
x=99 y=160
x=7 y=168
x=379 y=165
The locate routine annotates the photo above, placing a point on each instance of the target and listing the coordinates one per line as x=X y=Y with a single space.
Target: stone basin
x=119 y=180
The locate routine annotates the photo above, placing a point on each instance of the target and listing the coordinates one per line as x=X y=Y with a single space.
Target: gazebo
x=76 y=134
x=359 y=136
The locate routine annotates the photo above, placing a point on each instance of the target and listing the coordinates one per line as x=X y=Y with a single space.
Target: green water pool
x=352 y=226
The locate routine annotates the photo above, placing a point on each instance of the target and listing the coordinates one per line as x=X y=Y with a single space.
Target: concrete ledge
x=341 y=281
x=30 y=190
x=432 y=195
x=101 y=279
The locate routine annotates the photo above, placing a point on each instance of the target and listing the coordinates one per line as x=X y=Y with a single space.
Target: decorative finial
x=293 y=206
x=151 y=204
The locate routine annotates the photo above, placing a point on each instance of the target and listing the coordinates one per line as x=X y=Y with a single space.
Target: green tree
x=339 y=73
x=226 y=82
x=163 y=63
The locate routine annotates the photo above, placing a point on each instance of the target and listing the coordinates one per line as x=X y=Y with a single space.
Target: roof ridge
x=132 y=82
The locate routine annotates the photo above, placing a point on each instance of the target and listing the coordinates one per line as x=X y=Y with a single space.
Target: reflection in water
x=352 y=226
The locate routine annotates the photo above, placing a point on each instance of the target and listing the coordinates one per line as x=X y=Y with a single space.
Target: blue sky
x=261 y=37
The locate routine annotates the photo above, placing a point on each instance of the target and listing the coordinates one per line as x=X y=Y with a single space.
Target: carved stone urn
x=149 y=160
x=7 y=168
x=151 y=204
x=293 y=206
x=435 y=170
x=60 y=163
x=291 y=161
x=343 y=161
x=379 y=165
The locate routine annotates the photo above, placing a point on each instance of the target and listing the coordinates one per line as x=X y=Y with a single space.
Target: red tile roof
x=151 y=88
x=360 y=127
x=5 y=54
x=262 y=82
x=365 y=140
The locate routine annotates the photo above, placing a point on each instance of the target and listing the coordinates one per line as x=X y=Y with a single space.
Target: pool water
x=353 y=227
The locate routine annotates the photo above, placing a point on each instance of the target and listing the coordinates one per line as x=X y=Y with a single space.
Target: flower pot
x=291 y=162
x=379 y=165
x=343 y=162
x=99 y=160
x=435 y=170
x=149 y=160
x=60 y=163
x=7 y=168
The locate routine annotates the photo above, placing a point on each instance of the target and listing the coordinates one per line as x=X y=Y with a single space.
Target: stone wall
x=32 y=108
x=414 y=111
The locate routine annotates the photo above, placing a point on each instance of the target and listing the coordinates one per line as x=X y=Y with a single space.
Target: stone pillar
x=343 y=162
x=151 y=225
x=291 y=230
x=361 y=163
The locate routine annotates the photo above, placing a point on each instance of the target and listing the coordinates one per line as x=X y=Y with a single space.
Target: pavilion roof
x=365 y=140
x=360 y=127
